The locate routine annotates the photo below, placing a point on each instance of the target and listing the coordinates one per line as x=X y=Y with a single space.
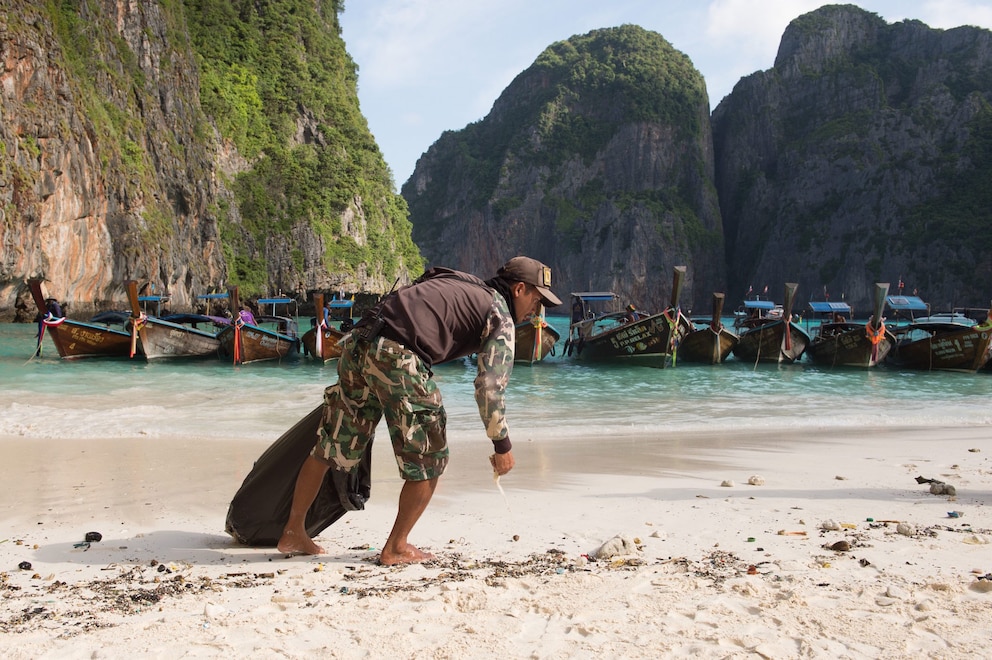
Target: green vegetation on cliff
x=278 y=83
x=98 y=59
x=961 y=212
x=570 y=102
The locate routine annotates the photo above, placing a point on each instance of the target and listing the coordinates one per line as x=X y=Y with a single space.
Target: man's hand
x=502 y=463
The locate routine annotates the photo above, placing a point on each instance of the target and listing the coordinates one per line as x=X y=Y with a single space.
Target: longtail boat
x=710 y=342
x=321 y=341
x=841 y=342
x=261 y=338
x=938 y=343
x=104 y=335
x=535 y=340
x=155 y=337
x=626 y=335
x=769 y=337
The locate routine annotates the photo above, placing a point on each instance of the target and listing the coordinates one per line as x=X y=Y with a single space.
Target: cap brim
x=549 y=299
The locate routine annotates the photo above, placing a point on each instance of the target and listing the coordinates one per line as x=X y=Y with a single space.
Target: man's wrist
x=502 y=446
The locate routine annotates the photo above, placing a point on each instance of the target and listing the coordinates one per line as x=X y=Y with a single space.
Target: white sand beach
x=705 y=570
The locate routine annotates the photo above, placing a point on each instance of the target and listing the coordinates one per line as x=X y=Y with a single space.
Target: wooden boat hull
x=963 y=348
x=652 y=341
x=162 y=339
x=706 y=346
x=330 y=350
x=849 y=345
x=766 y=342
x=257 y=345
x=78 y=339
x=528 y=351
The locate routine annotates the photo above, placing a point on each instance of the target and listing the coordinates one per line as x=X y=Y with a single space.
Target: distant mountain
x=597 y=160
x=863 y=155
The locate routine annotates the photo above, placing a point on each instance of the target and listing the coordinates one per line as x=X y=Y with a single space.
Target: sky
x=428 y=66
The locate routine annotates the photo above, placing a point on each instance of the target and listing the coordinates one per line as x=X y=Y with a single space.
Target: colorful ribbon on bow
x=136 y=324
x=49 y=320
x=238 y=324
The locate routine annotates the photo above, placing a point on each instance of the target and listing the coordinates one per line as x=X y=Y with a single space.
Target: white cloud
x=952 y=13
x=412 y=42
x=755 y=25
x=741 y=37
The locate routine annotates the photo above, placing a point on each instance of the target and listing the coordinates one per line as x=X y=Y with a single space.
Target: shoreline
x=513 y=575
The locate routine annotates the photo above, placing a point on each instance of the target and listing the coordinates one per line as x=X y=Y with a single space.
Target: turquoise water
x=51 y=399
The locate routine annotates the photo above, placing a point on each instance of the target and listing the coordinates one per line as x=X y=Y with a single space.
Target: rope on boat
x=136 y=323
x=672 y=335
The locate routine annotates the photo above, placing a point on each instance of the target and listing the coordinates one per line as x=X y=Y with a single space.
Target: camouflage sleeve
x=495 y=365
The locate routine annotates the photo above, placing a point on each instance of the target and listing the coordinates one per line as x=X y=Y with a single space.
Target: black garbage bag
x=260 y=508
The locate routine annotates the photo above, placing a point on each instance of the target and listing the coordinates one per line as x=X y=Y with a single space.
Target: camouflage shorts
x=383 y=378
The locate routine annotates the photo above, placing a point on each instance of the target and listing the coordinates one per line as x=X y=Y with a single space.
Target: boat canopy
x=155 y=300
x=276 y=301
x=828 y=307
x=341 y=303
x=595 y=296
x=213 y=296
x=193 y=319
x=759 y=304
x=906 y=303
x=947 y=317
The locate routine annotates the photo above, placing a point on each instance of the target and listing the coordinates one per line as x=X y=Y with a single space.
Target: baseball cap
x=531 y=271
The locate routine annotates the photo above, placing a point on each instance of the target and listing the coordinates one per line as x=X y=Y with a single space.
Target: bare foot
x=409 y=555
x=292 y=543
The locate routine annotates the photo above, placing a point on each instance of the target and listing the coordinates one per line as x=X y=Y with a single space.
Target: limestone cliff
x=111 y=168
x=863 y=155
x=596 y=160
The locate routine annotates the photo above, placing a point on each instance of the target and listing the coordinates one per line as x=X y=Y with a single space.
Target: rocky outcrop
x=111 y=169
x=86 y=208
x=860 y=157
x=596 y=160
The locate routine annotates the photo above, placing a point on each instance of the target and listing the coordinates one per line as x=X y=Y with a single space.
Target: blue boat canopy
x=824 y=307
x=593 y=296
x=212 y=296
x=906 y=303
x=341 y=303
x=153 y=299
x=275 y=301
x=759 y=304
